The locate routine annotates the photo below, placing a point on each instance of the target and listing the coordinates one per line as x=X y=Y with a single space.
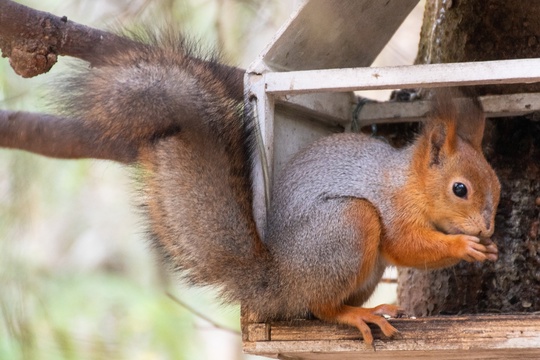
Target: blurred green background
x=77 y=277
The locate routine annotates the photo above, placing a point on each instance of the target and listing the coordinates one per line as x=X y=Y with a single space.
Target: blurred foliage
x=95 y=315
x=77 y=278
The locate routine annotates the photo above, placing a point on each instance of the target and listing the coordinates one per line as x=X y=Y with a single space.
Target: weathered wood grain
x=446 y=337
x=344 y=41
x=494 y=106
x=402 y=77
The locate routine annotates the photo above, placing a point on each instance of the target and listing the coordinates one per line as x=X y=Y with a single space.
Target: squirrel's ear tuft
x=471 y=122
x=441 y=127
x=462 y=113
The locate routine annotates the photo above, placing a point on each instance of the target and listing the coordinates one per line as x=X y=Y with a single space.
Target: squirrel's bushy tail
x=182 y=116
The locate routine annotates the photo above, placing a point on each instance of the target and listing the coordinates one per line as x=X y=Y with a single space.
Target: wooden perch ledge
x=493 y=336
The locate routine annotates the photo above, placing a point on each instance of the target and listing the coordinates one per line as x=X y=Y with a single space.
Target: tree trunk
x=479 y=30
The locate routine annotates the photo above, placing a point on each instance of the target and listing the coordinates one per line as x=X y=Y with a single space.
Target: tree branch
x=33 y=39
x=59 y=137
x=201 y=315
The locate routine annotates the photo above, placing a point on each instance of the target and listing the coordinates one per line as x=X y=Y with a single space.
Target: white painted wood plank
x=262 y=106
x=494 y=106
x=510 y=105
x=411 y=76
x=327 y=34
x=334 y=108
x=393 y=112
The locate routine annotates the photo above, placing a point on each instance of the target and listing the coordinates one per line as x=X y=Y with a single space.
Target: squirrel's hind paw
x=360 y=317
x=388 y=310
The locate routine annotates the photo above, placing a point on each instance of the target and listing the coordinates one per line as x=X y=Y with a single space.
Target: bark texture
x=33 y=42
x=476 y=30
x=33 y=39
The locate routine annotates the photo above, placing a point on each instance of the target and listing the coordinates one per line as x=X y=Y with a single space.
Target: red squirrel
x=342 y=209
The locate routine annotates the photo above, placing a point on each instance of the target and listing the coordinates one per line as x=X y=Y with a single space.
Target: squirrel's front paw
x=473 y=249
x=492 y=250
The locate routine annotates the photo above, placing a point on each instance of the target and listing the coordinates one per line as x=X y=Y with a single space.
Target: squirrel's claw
x=360 y=317
x=473 y=249
x=491 y=250
x=389 y=310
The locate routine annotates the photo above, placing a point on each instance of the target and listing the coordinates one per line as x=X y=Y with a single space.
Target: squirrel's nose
x=487 y=231
x=487 y=214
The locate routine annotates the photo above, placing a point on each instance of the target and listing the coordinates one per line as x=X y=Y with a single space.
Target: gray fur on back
x=311 y=192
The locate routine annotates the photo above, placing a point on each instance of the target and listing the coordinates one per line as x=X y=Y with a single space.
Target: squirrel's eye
x=460 y=190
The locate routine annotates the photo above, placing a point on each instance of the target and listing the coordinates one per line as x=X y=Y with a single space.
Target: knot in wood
x=31 y=59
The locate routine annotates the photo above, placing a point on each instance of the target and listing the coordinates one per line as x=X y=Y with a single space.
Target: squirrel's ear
x=442 y=137
x=471 y=122
x=463 y=114
x=441 y=127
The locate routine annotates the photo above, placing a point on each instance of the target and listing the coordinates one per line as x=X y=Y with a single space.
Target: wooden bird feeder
x=301 y=88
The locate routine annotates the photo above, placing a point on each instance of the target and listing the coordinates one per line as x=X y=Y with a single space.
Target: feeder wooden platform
x=475 y=337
